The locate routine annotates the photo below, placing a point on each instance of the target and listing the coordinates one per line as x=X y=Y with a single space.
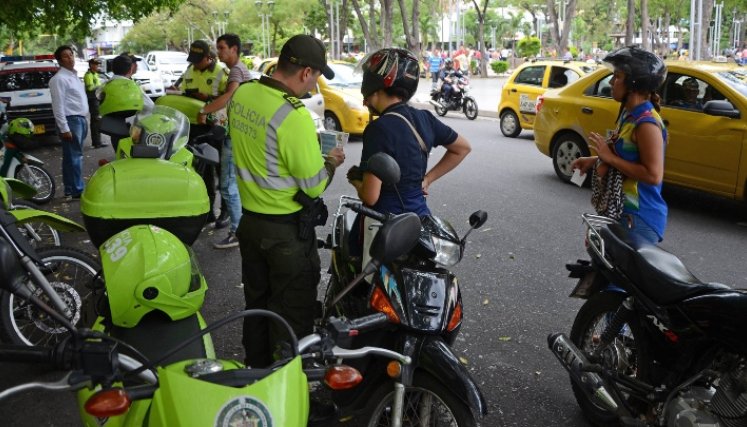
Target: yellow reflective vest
x=91 y=81
x=275 y=148
x=210 y=81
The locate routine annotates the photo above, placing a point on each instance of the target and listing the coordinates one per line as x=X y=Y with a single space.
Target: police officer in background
x=92 y=82
x=281 y=174
x=206 y=79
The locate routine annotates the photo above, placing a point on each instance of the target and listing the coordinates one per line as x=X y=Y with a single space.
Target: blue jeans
x=229 y=191
x=637 y=227
x=72 y=156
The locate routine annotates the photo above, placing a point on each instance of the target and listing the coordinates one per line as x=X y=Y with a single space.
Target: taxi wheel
x=567 y=148
x=331 y=122
x=510 y=126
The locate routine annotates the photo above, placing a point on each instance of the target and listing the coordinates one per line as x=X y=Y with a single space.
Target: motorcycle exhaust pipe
x=574 y=361
x=436 y=104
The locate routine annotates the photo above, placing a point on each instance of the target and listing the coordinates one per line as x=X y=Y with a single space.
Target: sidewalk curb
x=480 y=112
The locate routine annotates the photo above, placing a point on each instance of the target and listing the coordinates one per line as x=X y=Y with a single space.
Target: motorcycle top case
x=128 y=192
x=189 y=106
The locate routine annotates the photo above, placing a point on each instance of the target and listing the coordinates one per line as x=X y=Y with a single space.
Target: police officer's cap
x=307 y=51
x=93 y=61
x=122 y=63
x=198 y=50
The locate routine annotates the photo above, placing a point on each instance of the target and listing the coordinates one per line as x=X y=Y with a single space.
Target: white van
x=171 y=64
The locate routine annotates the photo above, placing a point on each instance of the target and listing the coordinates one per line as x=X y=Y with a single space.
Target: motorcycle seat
x=659 y=274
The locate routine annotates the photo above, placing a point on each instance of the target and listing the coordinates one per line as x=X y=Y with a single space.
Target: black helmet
x=448 y=62
x=390 y=68
x=644 y=71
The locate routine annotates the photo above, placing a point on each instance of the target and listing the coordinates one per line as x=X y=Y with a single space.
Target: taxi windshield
x=163 y=127
x=737 y=79
x=345 y=76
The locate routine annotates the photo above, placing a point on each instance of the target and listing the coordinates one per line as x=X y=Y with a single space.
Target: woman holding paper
x=390 y=78
x=636 y=150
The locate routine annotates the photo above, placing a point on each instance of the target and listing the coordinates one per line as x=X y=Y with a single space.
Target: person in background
x=70 y=108
x=279 y=166
x=434 y=66
x=93 y=82
x=206 y=79
x=637 y=148
x=228 y=46
x=448 y=74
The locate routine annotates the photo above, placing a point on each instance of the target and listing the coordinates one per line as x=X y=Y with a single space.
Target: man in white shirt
x=70 y=108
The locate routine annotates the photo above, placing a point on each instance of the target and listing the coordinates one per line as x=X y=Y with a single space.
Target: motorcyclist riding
x=448 y=76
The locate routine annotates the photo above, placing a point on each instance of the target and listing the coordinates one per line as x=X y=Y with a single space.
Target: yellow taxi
x=703 y=106
x=530 y=80
x=343 y=102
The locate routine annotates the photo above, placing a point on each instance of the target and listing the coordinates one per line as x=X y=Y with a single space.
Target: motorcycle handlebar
x=357 y=207
x=369 y=322
x=26 y=354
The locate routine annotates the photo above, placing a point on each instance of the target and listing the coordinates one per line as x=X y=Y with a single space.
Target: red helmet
x=390 y=68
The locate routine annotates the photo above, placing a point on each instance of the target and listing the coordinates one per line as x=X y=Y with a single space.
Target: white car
x=171 y=64
x=24 y=87
x=151 y=81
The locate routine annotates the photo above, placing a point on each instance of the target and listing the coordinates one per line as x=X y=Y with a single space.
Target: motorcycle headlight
x=448 y=253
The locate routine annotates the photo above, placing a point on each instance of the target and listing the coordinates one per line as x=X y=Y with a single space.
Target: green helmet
x=147 y=268
x=121 y=97
x=21 y=126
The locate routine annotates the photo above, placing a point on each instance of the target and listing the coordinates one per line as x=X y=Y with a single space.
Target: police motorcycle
x=60 y=276
x=422 y=300
x=458 y=100
x=16 y=137
x=172 y=378
x=657 y=348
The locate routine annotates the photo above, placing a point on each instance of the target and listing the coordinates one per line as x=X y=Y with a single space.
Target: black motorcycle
x=423 y=302
x=459 y=99
x=652 y=345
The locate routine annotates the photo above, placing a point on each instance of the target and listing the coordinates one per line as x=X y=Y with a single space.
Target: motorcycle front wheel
x=470 y=108
x=441 y=111
x=628 y=354
x=71 y=274
x=38 y=233
x=427 y=403
x=40 y=179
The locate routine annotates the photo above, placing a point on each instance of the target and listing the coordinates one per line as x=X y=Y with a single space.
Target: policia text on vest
x=246 y=120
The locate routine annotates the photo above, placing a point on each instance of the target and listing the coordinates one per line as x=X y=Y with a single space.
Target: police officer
x=206 y=79
x=92 y=82
x=278 y=160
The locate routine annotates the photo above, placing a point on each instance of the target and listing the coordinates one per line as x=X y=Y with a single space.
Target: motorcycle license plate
x=583 y=287
x=38 y=129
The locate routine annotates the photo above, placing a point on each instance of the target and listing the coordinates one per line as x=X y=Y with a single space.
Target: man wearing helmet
x=390 y=78
x=447 y=76
x=636 y=150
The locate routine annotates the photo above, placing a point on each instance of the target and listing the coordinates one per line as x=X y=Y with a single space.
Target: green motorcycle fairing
x=279 y=400
x=55 y=221
x=20 y=188
x=185 y=104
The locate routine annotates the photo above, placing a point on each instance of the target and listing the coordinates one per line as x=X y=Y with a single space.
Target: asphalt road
x=512 y=277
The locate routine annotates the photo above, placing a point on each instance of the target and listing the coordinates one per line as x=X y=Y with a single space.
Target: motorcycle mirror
x=396 y=237
x=206 y=153
x=476 y=220
x=384 y=167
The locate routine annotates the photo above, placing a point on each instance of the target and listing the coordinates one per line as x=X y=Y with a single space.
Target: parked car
x=24 y=86
x=171 y=64
x=516 y=108
x=707 y=146
x=150 y=80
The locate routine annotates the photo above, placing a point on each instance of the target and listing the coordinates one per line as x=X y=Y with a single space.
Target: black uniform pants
x=93 y=108
x=280 y=273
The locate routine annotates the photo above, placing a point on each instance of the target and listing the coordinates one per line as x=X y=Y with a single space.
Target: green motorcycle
x=122 y=384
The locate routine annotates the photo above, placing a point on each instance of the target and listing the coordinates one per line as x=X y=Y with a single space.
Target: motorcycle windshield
x=164 y=128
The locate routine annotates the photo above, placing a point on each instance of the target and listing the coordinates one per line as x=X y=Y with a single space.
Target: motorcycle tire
x=38 y=233
x=40 y=179
x=470 y=108
x=72 y=274
x=441 y=111
x=446 y=407
x=588 y=326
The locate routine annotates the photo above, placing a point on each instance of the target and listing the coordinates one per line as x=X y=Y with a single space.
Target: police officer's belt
x=291 y=218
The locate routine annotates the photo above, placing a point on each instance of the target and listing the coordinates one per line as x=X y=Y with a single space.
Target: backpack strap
x=423 y=147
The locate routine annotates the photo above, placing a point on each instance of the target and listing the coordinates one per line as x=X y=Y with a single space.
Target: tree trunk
x=412 y=35
x=570 y=12
x=645 y=26
x=705 y=53
x=370 y=37
x=630 y=23
x=555 y=25
x=386 y=21
x=481 y=36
